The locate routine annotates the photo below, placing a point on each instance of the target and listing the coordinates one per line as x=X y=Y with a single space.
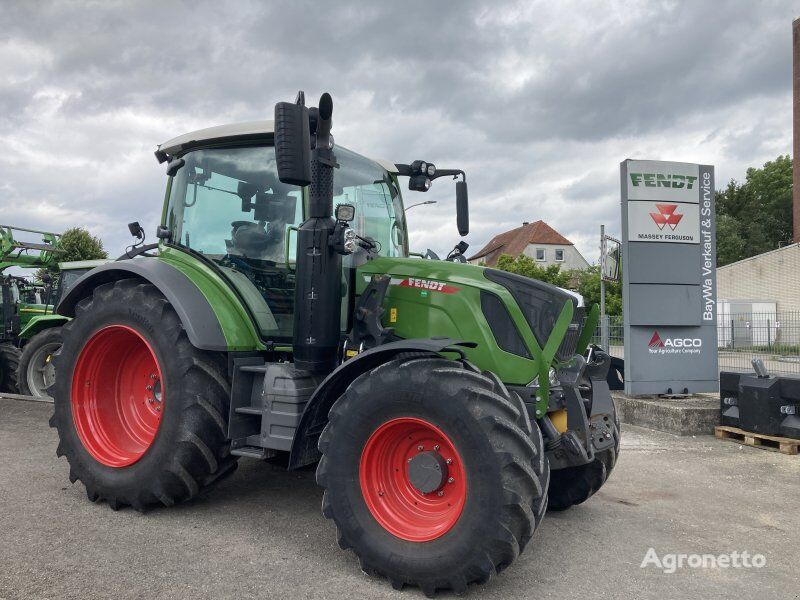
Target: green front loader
x=21 y=300
x=281 y=316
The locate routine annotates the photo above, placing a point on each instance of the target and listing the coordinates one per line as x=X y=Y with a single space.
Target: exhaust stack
x=318 y=298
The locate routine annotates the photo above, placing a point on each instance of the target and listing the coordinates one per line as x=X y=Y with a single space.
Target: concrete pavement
x=260 y=532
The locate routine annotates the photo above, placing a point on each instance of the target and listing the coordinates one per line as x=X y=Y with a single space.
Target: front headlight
x=552 y=379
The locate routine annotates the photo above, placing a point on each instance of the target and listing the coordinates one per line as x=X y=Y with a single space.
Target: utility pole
x=796 y=127
x=603 y=319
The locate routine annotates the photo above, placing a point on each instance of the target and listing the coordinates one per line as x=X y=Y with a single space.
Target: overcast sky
x=538 y=101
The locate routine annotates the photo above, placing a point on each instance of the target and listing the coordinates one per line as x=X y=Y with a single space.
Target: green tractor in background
x=40 y=334
x=22 y=299
x=280 y=316
x=31 y=330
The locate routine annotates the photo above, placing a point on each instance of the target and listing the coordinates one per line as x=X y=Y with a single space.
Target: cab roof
x=251 y=130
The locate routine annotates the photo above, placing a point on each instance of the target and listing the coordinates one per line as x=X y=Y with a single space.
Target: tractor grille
x=569 y=345
x=541 y=303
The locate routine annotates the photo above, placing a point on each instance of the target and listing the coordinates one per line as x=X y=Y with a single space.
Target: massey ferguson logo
x=674 y=345
x=666 y=215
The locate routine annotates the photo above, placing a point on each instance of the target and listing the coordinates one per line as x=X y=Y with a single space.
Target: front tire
x=141 y=414
x=9 y=365
x=575 y=485
x=36 y=372
x=490 y=474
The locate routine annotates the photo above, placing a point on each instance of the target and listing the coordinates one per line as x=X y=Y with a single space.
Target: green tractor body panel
x=237 y=325
x=40 y=322
x=28 y=312
x=431 y=298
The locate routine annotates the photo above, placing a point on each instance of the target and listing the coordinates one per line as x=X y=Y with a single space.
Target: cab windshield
x=229 y=205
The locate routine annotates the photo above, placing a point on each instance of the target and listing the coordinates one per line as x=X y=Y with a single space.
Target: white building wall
x=772 y=276
x=572 y=258
x=769 y=281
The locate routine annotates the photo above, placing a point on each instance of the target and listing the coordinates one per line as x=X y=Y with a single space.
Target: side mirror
x=174 y=166
x=610 y=259
x=293 y=142
x=462 y=208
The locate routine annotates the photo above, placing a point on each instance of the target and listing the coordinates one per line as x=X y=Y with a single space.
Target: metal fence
x=774 y=337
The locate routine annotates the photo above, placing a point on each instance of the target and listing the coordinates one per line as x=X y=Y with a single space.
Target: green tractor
x=40 y=334
x=21 y=299
x=280 y=316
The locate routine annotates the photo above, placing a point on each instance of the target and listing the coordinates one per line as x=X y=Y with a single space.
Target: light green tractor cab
x=281 y=316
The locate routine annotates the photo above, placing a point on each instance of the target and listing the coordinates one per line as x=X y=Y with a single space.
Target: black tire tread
x=202 y=453
x=9 y=366
x=574 y=485
x=524 y=469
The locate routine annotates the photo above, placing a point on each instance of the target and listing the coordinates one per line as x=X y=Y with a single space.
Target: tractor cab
x=227 y=204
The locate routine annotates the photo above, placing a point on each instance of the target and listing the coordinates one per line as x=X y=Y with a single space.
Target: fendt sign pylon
x=669 y=277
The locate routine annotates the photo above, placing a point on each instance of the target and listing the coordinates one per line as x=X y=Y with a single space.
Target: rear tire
x=36 y=372
x=575 y=485
x=9 y=364
x=482 y=520
x=163 y=403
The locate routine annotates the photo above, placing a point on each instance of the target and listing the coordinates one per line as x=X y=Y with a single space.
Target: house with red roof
x=537 y=240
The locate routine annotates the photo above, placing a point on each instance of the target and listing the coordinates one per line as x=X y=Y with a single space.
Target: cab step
x=253 y=452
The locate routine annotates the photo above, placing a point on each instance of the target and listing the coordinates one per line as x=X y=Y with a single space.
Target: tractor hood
x=510 y=317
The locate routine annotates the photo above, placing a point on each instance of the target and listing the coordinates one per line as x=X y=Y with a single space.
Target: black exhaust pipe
x=318 y=296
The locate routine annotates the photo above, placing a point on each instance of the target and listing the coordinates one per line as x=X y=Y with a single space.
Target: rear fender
x=199 y=319
x=315 y=415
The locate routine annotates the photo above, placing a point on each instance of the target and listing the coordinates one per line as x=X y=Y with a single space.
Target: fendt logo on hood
x=427 y=284
x=666 y=215
x=674 y=345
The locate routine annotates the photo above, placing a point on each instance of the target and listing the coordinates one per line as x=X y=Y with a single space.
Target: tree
x=527 y=267
x=588 y=286
x=586 y=282
x=755 y=216
x=75 y=244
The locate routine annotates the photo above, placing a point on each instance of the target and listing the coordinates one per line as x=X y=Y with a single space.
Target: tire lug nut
x=436 y=447
x=450 y=480
x=420 y=448
x=149 y=388
x=440 y=494
x=449 y=461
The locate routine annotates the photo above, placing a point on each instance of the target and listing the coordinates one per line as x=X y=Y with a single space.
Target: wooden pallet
x=774 y=443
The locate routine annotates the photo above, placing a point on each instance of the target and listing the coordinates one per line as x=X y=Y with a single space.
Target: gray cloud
x=539 y=101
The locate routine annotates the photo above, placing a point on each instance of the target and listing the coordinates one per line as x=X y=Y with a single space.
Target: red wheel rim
x=117 y=396
x=396 y=504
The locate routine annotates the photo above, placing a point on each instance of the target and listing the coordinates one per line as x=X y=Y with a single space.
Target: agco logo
x=666 y=215
x=674 y=345
x=663 y=180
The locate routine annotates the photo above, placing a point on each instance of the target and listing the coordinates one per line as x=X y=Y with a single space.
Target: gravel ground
x=260 y=532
